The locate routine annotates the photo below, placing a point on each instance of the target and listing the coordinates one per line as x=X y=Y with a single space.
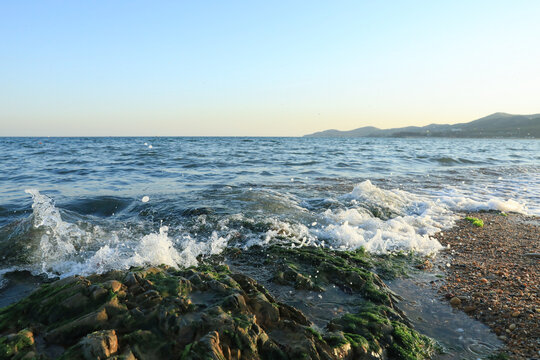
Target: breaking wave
x=65 y=248
x=62 y=243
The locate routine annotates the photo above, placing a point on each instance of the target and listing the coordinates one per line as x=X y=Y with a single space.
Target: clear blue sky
x=262 y=68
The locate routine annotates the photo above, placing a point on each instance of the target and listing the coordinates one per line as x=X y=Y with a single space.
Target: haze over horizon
x=265 y=69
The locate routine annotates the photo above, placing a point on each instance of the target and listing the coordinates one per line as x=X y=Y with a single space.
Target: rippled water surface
x=88 y=205
x=70 y=205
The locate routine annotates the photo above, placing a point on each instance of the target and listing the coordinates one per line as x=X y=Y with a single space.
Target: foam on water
x=383 y=221
x=213 y=193
x=405 y=221
x=58 y=238
x=458 y=200
x=379 y=220
x=65 y=249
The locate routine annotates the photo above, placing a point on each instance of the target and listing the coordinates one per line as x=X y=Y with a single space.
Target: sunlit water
x=88 y=205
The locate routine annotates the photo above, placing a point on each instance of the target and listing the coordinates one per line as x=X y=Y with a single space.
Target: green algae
x=242 y=321
x=321 y=267
x=498 y=356
x=15 y=346
x=186 y=351
x=398 y=264
x=166 y=285
x=409 y=344
x=153 y=315
x=372 y=326
x=336 y=339
x=315 y=333
x=41 y=304
x=475 y=221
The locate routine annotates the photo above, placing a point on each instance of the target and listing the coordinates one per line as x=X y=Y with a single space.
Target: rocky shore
x=280 y=302
x=214 y=311
x=494 y=276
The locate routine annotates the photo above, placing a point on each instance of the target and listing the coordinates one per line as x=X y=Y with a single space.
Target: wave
x=60 y=242
x=63 y=248
x=449 y=161
x=383 y=221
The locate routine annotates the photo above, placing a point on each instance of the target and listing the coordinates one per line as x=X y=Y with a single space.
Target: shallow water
x=460 y=336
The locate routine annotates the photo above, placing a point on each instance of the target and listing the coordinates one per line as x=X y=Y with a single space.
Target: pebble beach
x=493 y=275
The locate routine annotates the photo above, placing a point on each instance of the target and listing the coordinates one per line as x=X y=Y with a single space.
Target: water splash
x=65 y=249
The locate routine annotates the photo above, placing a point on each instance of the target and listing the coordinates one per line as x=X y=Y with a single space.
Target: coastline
x=212 y=311
x=305 y=302
x=494 y=276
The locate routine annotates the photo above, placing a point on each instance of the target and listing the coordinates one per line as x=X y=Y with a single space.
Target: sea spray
x=379 y=220
x=65 y=249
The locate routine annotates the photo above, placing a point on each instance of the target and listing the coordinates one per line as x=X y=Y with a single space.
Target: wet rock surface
x=212 y=312
x=492 y=278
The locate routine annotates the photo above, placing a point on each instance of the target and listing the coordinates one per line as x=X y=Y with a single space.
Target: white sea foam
x=58 y=238
x=380 y=220
x=409 y=220
x=408 y=224
x=65 y=249
x=461 y=202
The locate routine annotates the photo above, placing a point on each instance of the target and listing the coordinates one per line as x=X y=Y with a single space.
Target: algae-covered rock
x=209 y=312
x=314 y=268
x=16 y=346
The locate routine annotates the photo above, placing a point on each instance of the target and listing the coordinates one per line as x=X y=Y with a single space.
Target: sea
x=81 y=206
x=88 y=205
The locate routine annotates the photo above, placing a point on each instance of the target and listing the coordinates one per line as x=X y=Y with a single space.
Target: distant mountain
x=498 y=125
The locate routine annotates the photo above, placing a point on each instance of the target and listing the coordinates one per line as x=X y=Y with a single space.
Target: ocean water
x=87 y=205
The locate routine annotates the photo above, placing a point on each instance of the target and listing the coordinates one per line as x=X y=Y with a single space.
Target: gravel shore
x=493 y=274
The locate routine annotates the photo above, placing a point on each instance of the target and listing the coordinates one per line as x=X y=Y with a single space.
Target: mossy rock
x=206 y=312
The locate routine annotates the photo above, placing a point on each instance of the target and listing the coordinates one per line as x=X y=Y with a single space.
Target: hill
x=498 y=125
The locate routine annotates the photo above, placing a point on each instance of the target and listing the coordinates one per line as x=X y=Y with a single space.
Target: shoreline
x=309 y=281
x=214 y=311
x=493 y=275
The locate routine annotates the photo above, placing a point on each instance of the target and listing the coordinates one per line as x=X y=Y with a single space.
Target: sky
x=254 y=68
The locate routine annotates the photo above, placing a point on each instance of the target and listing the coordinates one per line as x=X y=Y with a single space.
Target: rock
x=217 y=314
x=209 y=345
x=114 y=285
x=235 y=302
x=17 y=345
x=126 y=355
x=455 y=301
x=266 y=312
x=75 y=302
x=515 y=313
x=512 y=327
x=29 y=356
x=98 y=293
x=131 y=279
x=426 y=265
x=78 y=327
x=114 y=307
x=27 y=336
x=99 y=345
x=289 y=312
x=469 y=309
